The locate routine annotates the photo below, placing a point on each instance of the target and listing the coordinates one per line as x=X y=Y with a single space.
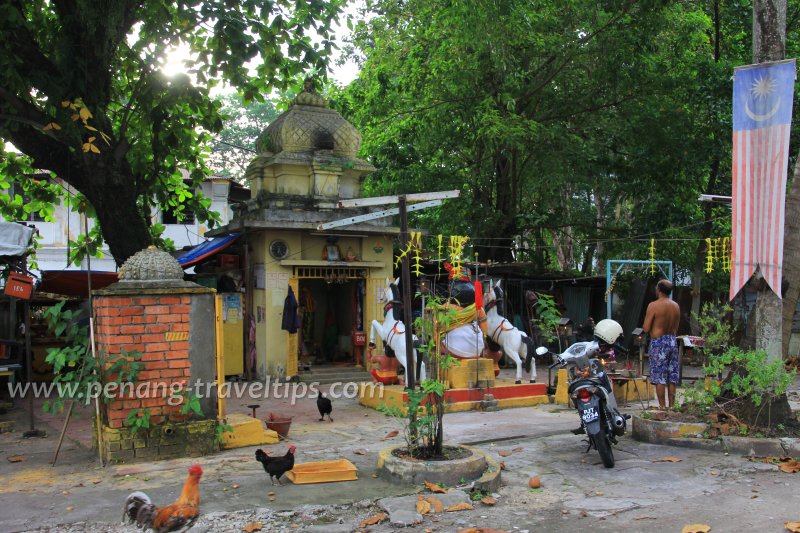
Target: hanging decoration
x=726 y=254
x=456 y=249
x=416 y=241
x=718 y=251
x=652 y=257
x=610 y=288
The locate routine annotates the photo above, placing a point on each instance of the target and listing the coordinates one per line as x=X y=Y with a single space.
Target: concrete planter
x=476 y=467
x=660 y=431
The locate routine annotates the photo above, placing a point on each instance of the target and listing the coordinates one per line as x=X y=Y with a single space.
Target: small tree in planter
x=424 y=430
x=753 y=389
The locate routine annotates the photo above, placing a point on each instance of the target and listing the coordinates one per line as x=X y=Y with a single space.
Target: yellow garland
x=457 y=243
x=652 y=256
x=709 y=255
x=439 y=250
x=726 y=254
x=610 y=288
x=403 y=253
x=416 y=239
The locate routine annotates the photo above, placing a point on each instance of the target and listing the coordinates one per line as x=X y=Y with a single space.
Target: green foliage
x=191 y=403
x=581 y=129
x=752 y=375
x=84 y=97
x=713 y=326
x=547 y=317
x=77 y=373
x=138 y=419
x=222 y=428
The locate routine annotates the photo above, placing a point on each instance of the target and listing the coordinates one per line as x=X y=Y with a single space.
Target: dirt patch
x=448 y=453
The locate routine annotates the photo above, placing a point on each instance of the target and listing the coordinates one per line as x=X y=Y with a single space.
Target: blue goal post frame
x=622 y=263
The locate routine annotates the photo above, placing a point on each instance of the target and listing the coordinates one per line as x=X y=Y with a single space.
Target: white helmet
x=608 y=331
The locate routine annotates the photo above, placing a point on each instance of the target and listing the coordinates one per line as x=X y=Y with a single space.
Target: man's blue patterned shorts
x=664 y=360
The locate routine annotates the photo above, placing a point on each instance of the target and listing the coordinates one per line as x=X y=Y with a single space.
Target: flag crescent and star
x=762 y=116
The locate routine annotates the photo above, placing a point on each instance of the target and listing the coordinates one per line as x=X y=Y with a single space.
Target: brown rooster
x=182 y=513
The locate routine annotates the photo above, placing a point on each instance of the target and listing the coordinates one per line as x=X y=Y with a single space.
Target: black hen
x=325 y=407
x=276 y=466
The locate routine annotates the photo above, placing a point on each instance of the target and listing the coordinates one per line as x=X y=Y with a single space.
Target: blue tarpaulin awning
x=206 y=249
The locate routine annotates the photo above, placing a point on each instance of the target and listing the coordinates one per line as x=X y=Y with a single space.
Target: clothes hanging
x=290 y=321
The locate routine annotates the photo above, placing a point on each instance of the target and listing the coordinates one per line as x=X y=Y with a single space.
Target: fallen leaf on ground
x=234 y=486
x=436 y=504
x=794 y=527
x=534 y=482
x=645 y=518
x=463 y=506
x=16 y=458
x=360 y=452
x=488 y=500
x=423 y=507
x=253 y=526
x=270 y=494
x=435 y=488
x=667 y=460
x=502 y=465
x=392 y=434
x=372 y=520
x=375 y=475
x=517 y=449
x=696 y=528
x=480 y=530
x=599 y=493
x=790 y=467
x=503 y=453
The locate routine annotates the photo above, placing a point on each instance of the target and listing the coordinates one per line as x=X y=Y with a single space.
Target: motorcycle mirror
x=541 y=350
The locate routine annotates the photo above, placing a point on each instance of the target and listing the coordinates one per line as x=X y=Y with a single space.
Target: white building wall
x=54 y=236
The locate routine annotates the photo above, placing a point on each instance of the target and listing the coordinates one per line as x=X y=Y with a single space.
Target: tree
x=577 y=128
x=83 y=98
x=234 y=147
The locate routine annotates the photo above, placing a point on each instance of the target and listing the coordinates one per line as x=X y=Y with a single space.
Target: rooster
x=182 y=513
x=325 y=407
x=276 y=466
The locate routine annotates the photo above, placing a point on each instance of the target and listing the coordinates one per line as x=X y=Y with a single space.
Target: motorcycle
x=589 y=388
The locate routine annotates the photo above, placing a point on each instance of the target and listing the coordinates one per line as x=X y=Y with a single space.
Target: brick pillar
x=172 y=324
x=157 y=326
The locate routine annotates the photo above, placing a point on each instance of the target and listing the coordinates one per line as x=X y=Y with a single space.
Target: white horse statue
x=393 y=332
x=515 y=343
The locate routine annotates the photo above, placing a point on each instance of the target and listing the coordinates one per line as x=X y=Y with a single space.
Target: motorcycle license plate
x=589 y=414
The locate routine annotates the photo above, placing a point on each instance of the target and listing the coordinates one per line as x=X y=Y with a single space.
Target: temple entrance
x=331 y=308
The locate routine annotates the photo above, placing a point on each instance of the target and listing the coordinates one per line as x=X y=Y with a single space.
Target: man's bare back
x=662 y=317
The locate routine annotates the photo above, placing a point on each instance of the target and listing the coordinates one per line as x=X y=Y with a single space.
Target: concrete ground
x=729 y=493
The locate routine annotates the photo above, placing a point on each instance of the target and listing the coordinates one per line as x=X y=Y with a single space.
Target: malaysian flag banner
x=762 y=116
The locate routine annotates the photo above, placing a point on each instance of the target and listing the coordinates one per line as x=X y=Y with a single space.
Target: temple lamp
x=639 y=340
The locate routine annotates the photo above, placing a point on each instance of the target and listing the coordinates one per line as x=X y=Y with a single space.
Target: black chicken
x=276 y=466
x=325 y=407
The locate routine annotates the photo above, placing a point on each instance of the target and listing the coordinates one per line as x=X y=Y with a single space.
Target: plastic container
x=323 y=472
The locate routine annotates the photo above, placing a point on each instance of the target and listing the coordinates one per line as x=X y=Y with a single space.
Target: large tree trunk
x=769 y=40
x=124 y=228
x=791 y=258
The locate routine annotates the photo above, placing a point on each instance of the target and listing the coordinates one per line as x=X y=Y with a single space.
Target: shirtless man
x=661 y=324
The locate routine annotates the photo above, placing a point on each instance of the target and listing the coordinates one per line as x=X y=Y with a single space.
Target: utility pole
x=769 y=44
x=405 y=280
